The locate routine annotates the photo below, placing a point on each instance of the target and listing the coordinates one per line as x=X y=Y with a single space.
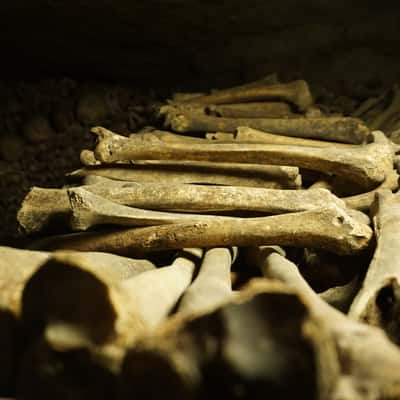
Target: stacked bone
x=252 y=175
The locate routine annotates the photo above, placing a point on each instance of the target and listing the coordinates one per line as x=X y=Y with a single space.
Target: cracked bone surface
x=365 y=165
x=212 y=285
x=369 y=360
x=262 y=338
x=196 y=172
x=296 y=92
x=329 y=228
x=337 y=129
x=111 y=312
x=378 y=301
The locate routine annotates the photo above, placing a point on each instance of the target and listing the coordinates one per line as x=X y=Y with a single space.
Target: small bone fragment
x=110 y=312
x=363 y=201
x=87 y=158
x=263 y=338
x=321 y=184
x=198 y=172
x=366 y=165
x=296 y=92
x=341 y=297
x=377 y=303
x=250 y=110
x=212 y=286
x=329 y=228
x=339 y=129
x=203 y=198
x=368 y=359
x=393 y=109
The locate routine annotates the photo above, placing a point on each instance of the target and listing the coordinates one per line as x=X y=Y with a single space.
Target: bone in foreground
x=377 y=303
x=366 y=165
x=369 y=361
x=337 y=129
x=197 y=172
x=110 y=313
x=263 y=338
x=212 y=286
x=16 y=268
x=296 y=92
x=328 y=228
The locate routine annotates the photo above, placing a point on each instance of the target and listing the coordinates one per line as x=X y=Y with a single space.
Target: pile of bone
x=195 y=258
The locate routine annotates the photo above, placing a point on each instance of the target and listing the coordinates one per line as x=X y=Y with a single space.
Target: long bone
x=250 y=110
x=338 y=129
x=369 y=361
x=377 y=302
x=234 y=174
x=249 y=135
x=393 y=109
x=329 y=228
x=366 y=165
x=296 y=92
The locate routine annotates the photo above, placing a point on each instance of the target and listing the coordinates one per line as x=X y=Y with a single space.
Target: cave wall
x=200 y=43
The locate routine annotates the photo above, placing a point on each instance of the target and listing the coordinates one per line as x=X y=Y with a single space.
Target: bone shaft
x=251 y=110
x=291 y=230
x=339 y=129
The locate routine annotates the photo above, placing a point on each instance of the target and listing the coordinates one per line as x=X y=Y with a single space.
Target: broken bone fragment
x=328 y=228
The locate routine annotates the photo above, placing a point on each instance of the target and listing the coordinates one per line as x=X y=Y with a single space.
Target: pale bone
x=368 y=359
x=363 y=201
x=339 y=129
x=212 y=286
x=16 y=268
x=89 y=210
x=341 y=297
x=377 y=302
x=87 y=158
x=256 y=335
x=203 y=198
x=329 y=228
x=42 y=208
x=394 y=108
x=250 y=110
x=296 y=92
x=110 y=313
x=365 y=165
x=233 y=174
x=249 y=135
x=321 y=184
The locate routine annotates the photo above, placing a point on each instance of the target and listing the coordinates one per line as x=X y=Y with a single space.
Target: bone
x=366 y=165
x=164 y=136
x=369 y=361
x=89 y=210
x=393 y=109
x=111 y=313
x=203 y=198
x=250 y=110
x=338 y=129
x=197 y=172
x=341 y=297
x=16 y=268
x=296 y=92
x=366 y=106
x=212 y=286
x=186 y=354
x=87 y=158
x=329 y=228
x=249 y=135
x=363 y=201
x=377 y=303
